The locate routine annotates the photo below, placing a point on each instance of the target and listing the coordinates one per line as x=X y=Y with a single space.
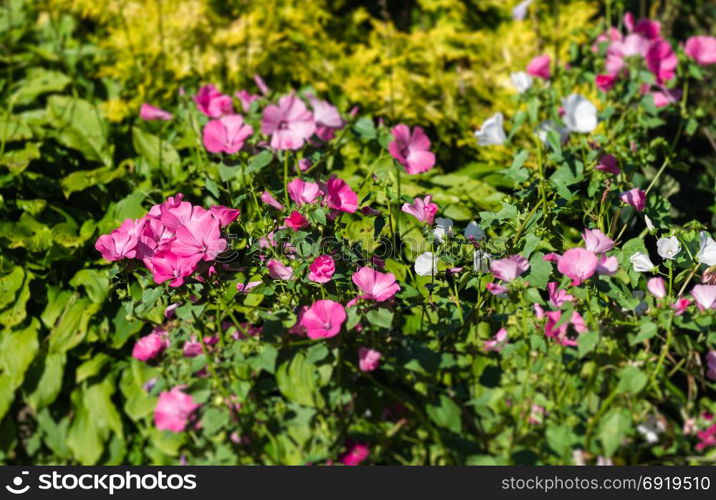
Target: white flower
x=649 y=224
x=426 y=264
x=481 y=261
x=443 y=228
x=546 y=127
x=707 y=249
x=473 y=230
x=521 y=81
x=641 y=262
x=580 y=115
x=491 y=132
x=668 y=248
x=651 y=429
x=520 y=11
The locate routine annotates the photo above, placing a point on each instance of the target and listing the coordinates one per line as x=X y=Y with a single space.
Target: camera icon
x=16 y=488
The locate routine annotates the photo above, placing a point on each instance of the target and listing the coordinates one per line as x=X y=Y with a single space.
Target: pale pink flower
x=537 y=413
x=552 y=257
x=496 y=343
x=340 y=196
x=411 y=150
x=322 y=269
x=278 y=271
x=296 y=221
x=200 y=236
x=556 y=296
x=681 y=305
x=579 y=264
x=323 y=319
x=149 y=112
x=560 y=333
x=497 y=290
x=607 y=265
x=213 y=103
x=656 y=287
x=246 y=99
x=424 y=210
x=701 y=49
x=539 y=67
x=226 y=135
x=268 y=198
x=173 y=410
x=634 y=197
x=355 y=455
x=664 y=97
x=368 y=359
x=150 y=346
x=608 y=163
x=248 y=286
x=327 y=117
x=224 y=215
x=302 y=192
x=705 y=296
x=596 y=241
x=509 y=268
x=261 y=85
x=375 y=285
x=289 y=123
x=170 y=310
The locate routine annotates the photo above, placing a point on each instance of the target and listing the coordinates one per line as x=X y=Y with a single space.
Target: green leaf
x=446 y=414
x=631 y=380
x=159 y=154
x=16 y=312
x=83 y=179
x=17 y=350
x=10 y=284
x=39 y=81
x=214 y=420
x=49 y=375
x=95 y=283
x=647 y=330
x=13 y=128
x=72 y=325
x=517 y=172
x=612 y=429
x=17 y=160
x=559 y=438
x=382 y=318
x=540 y=271
x=211 y=187
x=365 y=127
x=80 y=125
x=297 y=380
x=259 y=161
x=91 y=367
x=587 y=341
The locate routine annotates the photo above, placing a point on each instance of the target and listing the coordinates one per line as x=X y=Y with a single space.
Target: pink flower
x=634 y=197
x=710 y=359
x=322 y=269
x=173 y=410
x=707 y=438
x=509 y=268
x=375 y=285
x=302 y=192
x=412 y=151
x=304 y=164
x=289 y=124
x=539 y=67
x=200 y=236
x=560 y=333
x=278 y=271
x=552 y=257
x=213 y=103
x=192 y=348
x=120 y=243
x=368 y=359
x=296 y=221
x=327 y=117
x=662 y=61
x=246 y=99
x=608 y=163
x=680 y=306
x=150 y=346
x=424 y=210
x=656 y=287
x=579 y=264
x=167 y=265
x=705 y=296
x=355 y=455
x=261 y=85
x=558 y=297
x=226 y=135
x=248 y=286
x=268 y=198
x=596 y=241
x=496 y=343
x=607 y=265
x=340 y=196
x=701 y=49
x=224 y=215
x=497 y=290
x=664 y=97
x=149 y=112
x=323 y=319
x=605 y=83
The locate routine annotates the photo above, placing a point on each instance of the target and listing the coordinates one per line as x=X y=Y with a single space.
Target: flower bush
x=260 y=273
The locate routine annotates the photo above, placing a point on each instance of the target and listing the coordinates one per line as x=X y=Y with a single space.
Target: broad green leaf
x=297 y=380
x=95 y=283
x=631 y=380
x=17 y=350
x=80 y=125
x=39 y=81
x=159 y=154
x=612 y=429
x=445 y=414
x=83 y=179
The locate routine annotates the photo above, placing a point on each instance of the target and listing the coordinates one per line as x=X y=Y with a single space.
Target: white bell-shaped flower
x=492 y=132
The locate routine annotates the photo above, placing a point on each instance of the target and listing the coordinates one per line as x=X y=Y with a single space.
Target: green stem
x=285 y=178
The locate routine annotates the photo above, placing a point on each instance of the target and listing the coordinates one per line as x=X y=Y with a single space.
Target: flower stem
x=285 y=178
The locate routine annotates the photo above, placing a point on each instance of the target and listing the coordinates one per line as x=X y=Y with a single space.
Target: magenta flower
x=680 y=306
x=278 y=271
x=248 y=286
x=355 y=455
x=579 y=264
x=496 y=343
x=150 y=346
x=701 y=49
x=340 y=196
x=368 y=359
x=596 y=241
x=412 y=151
x=497 y=290
x=302 y=192
x=634 y=197
x=539 y=67
x=296 y=221
x=120 y=243
x=167 y=265
x=173 y=410
x=246 y=98
x=289 y=124
x=149 y=112
x=323 y=319
x=665 y=96
x=375 y=285
x=656 y=287
x=424 y=210
x=560 y=333
x=705 y=296
x=268 y=198
x=662 y=61
x=226 y=135
x=263 y=88
x=605 y=83
x=200 y=236
x=322 y=269
x=327 y=117
x=608 y=163
x=557 y=297
x=509 y=268
x=224 y=215
x=213 y=103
